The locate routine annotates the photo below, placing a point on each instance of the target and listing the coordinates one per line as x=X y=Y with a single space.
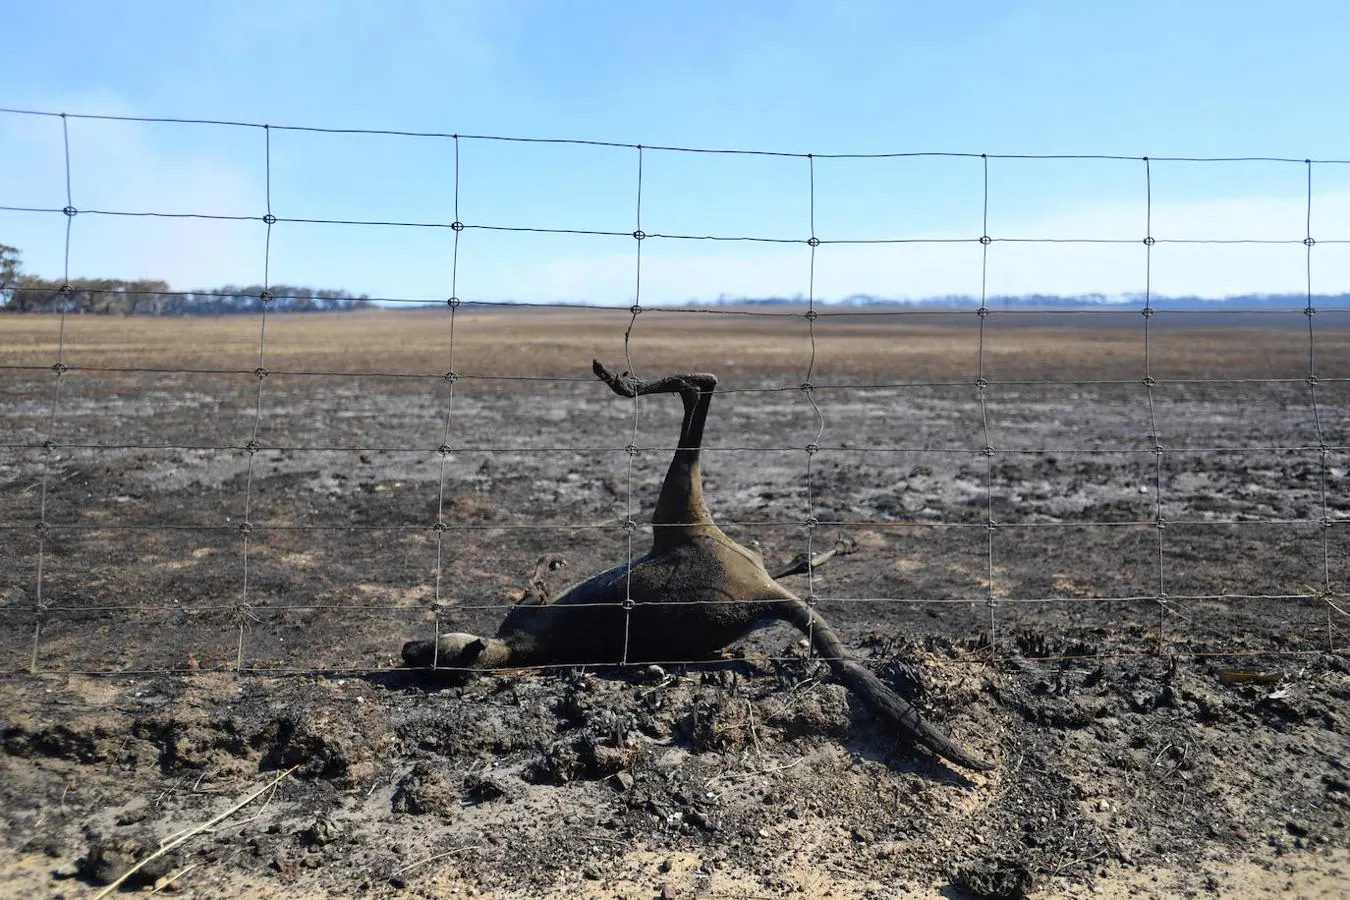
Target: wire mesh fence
x=53 y=605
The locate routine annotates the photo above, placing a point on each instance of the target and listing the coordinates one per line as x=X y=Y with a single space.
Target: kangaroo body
x=694 y=593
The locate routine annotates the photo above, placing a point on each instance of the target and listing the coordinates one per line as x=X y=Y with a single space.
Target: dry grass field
x=851 y=345
x=1167 y=705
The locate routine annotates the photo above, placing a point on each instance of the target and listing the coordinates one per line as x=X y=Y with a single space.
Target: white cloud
x=128 y=166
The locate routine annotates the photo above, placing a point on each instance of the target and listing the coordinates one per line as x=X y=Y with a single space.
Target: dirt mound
x=528 y=784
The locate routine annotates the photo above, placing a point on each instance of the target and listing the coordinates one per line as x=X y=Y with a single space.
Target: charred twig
x=192 y=832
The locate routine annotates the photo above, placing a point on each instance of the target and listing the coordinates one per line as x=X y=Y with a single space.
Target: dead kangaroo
x=695 y=592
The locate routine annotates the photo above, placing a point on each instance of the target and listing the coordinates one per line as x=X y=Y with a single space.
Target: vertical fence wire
x=982 y=395
x=445 y=449
x=49 y=443
x=631 y=451
x=808 y=391
x=1160 y=523
x=244 y=614
x=1323 y=451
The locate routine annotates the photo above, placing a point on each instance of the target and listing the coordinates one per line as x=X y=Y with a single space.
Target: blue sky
x=1145 y=78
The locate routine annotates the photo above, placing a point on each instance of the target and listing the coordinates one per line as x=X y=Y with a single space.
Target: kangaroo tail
x=873 y=690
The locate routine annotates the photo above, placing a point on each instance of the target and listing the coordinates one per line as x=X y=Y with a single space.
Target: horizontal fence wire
x=630 y=146
x=246 y=612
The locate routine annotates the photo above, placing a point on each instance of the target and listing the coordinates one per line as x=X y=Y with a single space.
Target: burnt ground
x=1193 y=747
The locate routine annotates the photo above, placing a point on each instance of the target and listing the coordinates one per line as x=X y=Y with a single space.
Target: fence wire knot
x=261 y=372
x=457 y=225
x=1158 y=449
x=812 y=448
x=65 y=290
x=991 y=525
x=1149 y=381
x=48 y=445
x=42 y=529
x=452 y=302
x=631 y=449
x=1327 y=522
x=1312 y=380
x=252 y=447
x=811 y=315
x=813 y=241
x=267 y=296
x=1310 y=311
x=445 y=450
x=1147 y=312
x=1160 y=524
x=60 y=368
x=70 y=211
x=988 y=450
x=1149 y=241
x=1308 y=241
x=636 y=309
x=807 y=387
x=986 y=240
x=811 y=523
x=451 y=377
x=639 y=235
x=269 y=220
x=981 y=383
x=982 y=312
x=245 y=528
x=628 y=603
x=629 y=526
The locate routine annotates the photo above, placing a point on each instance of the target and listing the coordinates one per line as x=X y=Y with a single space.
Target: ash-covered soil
x=750 y=778
x=1168 y=706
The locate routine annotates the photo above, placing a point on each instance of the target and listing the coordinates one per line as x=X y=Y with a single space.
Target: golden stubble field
x=839 y=346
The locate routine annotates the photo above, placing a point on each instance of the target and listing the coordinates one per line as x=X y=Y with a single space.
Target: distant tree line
x=20 y=293
x=1293 y=301
x=110 y=296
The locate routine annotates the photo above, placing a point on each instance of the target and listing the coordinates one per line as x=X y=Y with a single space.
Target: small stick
x=751 y=774
x=413 y=865
x=262 y=809
x=1077 y=862
x=194 y=831
x=754 y=735
x=165 y=882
